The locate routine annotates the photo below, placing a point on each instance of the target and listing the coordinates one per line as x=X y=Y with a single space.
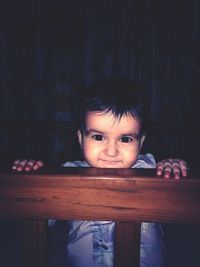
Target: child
x=111 y=120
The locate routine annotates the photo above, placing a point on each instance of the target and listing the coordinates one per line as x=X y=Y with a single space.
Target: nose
x=111 y=149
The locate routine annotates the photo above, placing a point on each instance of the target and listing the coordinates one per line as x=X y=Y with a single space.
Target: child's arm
x=27 y=165
x=176 y=167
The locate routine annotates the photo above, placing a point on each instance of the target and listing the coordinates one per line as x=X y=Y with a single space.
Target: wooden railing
x=126 y=196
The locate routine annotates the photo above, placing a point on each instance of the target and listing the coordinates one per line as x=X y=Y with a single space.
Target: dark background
x=49 y=47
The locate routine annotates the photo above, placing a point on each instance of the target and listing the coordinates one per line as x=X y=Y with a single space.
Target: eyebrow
x=93 y=131
x=90 y=131
x=137 y=136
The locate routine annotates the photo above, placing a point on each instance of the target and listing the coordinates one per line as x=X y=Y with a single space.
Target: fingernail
x=167 y=175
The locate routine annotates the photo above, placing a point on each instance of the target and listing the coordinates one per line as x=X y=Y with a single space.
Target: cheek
x=91 y=146
x=131 y=149
x=131 y=154
x=89 y=149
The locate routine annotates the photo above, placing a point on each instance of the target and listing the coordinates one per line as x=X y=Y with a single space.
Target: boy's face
x=108 y=142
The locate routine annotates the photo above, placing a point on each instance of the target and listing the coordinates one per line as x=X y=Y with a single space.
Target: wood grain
x=100 y=194
x=126 y=196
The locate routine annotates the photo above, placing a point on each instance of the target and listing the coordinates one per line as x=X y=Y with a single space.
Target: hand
x=175 y=167
x=27 y=165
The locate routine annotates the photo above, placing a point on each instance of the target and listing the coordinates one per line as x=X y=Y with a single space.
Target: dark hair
x=111 y=94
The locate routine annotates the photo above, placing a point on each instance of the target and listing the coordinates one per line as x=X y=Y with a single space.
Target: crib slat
x=127 y=244
x=125 y=196
x=35 y=243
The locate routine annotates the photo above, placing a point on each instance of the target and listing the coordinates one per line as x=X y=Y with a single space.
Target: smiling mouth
x=112 y=162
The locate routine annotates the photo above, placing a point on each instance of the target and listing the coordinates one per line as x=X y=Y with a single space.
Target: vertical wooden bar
x=127 y=244
x=35 y=243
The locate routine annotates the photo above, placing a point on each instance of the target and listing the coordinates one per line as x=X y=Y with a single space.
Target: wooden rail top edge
x=99 y=173
x=99 y=194
x=96 y=177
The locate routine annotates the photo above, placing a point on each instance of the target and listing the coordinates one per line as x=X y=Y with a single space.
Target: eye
x=126 y=139
x=98 y=137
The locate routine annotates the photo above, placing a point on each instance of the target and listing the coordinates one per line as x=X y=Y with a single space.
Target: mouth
x=111 y=162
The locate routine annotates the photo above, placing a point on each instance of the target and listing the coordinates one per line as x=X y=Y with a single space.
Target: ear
x=142 y=140
x=80 y=138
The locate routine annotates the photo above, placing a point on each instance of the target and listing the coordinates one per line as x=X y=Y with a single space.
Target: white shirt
x=90 y=243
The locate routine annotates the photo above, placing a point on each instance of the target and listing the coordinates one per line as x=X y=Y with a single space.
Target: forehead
x=108 y=123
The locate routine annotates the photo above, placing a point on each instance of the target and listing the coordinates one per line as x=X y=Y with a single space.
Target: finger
x=20 y=166
x=159 y=168
x=176 y=170
x=29 y=165
x=184 y=168
x=167 y=169
x=38 y=164
x=15 y=164
x=167 y=173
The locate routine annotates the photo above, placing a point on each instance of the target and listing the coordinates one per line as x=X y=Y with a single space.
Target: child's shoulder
x=145 y=161
x=76 y=163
